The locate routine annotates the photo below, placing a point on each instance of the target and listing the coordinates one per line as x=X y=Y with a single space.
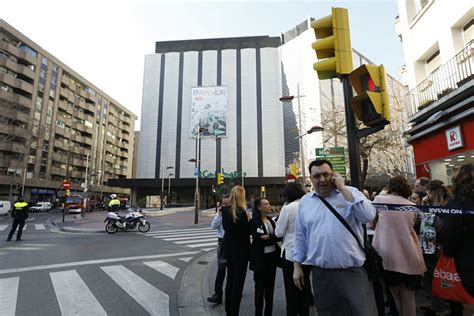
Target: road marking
x=209 y=249
x=99 y=261
x=196 y=241
x=163 y=267
x=3 y=227
x=39 y=245
x=186 y=259
x=203 y=245
x=180 y=230
x=8 y=295
x=23 y=248
x=149 y=297
x=182 y=234
x=40 y=226
x=191 y=237
x=74 y=297
x=191 y=230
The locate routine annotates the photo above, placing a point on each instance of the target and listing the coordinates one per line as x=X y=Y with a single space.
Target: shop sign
x=206 y=174
x=454 y=138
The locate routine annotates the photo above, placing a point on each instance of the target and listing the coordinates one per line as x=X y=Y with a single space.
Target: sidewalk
x=197 y=284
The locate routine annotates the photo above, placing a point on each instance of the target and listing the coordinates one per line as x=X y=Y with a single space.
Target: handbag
x=447 y=284
x=373 y=261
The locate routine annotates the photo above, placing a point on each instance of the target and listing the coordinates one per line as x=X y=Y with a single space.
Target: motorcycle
x=134 y=219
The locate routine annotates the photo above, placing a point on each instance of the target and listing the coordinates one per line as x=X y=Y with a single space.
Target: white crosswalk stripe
x=149 y=297
x=3 y=227
x=40 y=227
x=192 y=237
x=8 y=295
x=75 y=297
x=163 y=267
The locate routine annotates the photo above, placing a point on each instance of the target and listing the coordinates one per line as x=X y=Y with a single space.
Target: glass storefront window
x=443 y=169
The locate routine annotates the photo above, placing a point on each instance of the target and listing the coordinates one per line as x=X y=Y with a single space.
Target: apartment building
x=438 y=42
x=55 y=124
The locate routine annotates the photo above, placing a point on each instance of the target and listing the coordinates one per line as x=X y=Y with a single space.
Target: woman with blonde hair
x=236 y=248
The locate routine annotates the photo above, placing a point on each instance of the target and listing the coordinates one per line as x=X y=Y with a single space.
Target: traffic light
x=370 y=105
x=67 y=193
x=220 y=178
x=333 y=47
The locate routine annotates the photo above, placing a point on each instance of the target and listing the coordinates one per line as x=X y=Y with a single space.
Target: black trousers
x=236 y=273
x=20 y=223
x=265 y=287
x=297 y=302
x=221 y=268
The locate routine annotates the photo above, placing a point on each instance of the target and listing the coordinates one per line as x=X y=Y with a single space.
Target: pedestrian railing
x=443 y=80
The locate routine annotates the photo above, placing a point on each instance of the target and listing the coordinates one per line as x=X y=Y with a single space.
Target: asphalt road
x=57 y=273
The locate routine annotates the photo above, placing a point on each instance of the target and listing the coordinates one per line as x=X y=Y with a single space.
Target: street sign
x=196 y=173
x=66 y=185
x=290 y=178
x=336 y=156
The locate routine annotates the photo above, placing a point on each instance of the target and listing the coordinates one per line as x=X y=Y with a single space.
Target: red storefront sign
x=434 y=146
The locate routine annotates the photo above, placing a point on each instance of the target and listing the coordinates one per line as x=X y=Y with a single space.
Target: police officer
x=20 y=217
x=114 y=203
x=114 y=206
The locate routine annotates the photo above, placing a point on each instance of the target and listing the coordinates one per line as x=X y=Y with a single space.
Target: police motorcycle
x=134 y=219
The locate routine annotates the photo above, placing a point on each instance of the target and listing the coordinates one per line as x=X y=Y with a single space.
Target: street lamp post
x=300 y=126
x=163 y=184
x=168 y=199
x=197 y=172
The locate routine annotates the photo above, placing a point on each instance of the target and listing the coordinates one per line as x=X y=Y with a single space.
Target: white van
x=41 y=207
x=5 y=206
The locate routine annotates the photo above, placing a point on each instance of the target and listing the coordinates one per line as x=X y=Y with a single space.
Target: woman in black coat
x=458 y=231
x=264 y=256
x=235 y=248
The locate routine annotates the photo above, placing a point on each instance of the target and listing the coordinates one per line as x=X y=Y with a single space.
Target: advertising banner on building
x=209 y=111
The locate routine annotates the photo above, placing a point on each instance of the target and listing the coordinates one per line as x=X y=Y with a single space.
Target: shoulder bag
x=373 y=261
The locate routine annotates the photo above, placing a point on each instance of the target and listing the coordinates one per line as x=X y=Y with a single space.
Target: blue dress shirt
x=217 y=224
x=322 y=240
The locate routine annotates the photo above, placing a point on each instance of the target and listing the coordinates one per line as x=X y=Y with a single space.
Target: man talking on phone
x=340 y=283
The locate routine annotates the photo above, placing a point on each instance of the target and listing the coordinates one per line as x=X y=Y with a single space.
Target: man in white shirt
x=340 y=283
x=216 y=223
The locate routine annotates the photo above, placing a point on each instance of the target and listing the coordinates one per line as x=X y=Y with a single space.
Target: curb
x=158 y=213
x=194 y=288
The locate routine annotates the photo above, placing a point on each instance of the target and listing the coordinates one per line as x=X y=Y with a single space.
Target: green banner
x=336 y=156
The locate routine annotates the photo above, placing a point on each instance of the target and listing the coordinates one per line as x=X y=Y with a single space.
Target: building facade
x=56 y=125
x=263 y=137
x=437 y=39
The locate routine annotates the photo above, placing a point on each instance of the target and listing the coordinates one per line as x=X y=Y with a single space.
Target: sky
x=106 y=41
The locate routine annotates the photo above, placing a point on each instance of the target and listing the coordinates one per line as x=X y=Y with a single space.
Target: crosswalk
x=4 y=227
x=195 y=238
x=73 y=292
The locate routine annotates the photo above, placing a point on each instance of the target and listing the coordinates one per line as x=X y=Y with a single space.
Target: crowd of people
x=319 y=240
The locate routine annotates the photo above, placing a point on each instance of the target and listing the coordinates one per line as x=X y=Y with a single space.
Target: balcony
x=60 y=157
x=15 y=98
x=17 y=83
x=12 y=147
x=13 y=130
x=58 y=171
x=18 y=68
x=66 y=80
x=446 y=79
x=17 y=52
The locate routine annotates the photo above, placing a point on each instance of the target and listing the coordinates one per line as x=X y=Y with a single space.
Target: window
x=44 y=60
x=433 y=62
x=468 y=32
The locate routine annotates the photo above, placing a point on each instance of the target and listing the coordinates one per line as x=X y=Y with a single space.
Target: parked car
x=5 y=206
x=41 y=207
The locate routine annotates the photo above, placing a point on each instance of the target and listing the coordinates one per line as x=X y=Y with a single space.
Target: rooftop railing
x=443 y=80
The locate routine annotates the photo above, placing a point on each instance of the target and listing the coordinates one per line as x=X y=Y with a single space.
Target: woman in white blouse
x=297 y=302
